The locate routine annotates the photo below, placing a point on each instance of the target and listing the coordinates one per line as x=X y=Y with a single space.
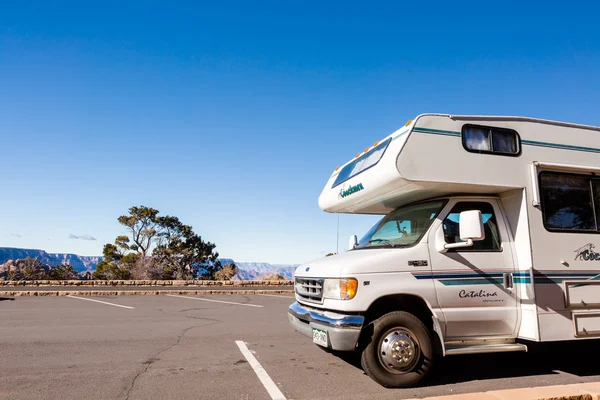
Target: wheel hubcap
x=398 y=350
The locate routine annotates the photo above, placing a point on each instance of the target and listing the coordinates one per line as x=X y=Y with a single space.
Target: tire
x=405 y=359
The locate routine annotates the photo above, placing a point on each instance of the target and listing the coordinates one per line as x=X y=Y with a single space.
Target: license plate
x=319 y=337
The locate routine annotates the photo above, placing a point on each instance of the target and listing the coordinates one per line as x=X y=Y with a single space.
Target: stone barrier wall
x=202 y=283
x=142 y=292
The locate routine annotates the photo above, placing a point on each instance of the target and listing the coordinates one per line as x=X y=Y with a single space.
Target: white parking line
x=265 y=379
x=275 y=295
x=215 y=301
x=98 y=301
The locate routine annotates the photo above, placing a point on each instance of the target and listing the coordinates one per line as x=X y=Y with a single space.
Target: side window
x=488 y=140
x=568 y=202
x=362 y=163
x=492 y=236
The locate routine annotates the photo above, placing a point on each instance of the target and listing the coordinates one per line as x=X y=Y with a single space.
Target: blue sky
x=231 y=115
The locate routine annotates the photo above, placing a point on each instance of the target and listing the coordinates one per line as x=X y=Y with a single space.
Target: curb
x=49 y=293
x=579 y=391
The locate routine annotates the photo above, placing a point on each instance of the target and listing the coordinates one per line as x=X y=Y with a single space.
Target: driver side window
x=490 y=226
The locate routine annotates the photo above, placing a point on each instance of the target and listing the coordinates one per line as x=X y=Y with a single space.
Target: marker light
x=348 y=288
x=376 y=143
x=367 y=149
x=337 y=168
x=409 y=122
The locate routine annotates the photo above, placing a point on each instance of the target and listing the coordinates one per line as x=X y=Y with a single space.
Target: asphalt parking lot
x=222 y=347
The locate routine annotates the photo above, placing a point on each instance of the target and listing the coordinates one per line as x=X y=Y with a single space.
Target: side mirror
x=470 y=229
x=352 y=242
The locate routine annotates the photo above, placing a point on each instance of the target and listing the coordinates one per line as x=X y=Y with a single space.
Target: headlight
x=340 y=289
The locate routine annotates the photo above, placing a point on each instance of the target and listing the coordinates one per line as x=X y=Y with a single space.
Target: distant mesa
x=250 y=270
x=245 y=270
x=79 y=263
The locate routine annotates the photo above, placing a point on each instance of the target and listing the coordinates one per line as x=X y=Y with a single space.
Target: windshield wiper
x=384 y=241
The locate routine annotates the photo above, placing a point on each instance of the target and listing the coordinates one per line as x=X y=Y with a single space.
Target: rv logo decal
x=475 y=294
x=352 y=189
x=587 y=253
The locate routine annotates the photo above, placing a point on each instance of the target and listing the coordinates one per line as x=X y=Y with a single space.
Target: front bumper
x=343 y=330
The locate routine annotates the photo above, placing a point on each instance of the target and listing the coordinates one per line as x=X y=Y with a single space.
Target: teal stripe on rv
x=524 y=142
x=400 y=135
x=482 y=281
x=560 y=146
x=436 y=131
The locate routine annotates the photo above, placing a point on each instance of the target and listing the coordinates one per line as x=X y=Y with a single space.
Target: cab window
x=452 y=225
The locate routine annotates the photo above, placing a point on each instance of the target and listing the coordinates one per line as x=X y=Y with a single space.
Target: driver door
x=474 y=285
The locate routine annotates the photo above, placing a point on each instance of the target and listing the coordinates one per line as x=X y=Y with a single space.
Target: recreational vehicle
x=489 y=239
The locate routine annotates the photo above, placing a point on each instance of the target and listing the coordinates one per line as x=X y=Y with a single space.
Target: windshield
x=403 y=227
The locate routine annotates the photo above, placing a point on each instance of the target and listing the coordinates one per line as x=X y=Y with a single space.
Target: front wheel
x=400 y=351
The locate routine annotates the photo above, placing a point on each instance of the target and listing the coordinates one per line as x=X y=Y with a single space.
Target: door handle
x=508 y=280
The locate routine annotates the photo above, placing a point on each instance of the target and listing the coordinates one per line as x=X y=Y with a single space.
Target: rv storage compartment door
x=582 y=294
x=586 y=325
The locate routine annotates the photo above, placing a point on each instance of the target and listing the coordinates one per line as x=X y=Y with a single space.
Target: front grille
x=310 y=289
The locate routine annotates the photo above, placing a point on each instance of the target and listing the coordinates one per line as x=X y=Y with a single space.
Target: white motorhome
x=490 y=238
